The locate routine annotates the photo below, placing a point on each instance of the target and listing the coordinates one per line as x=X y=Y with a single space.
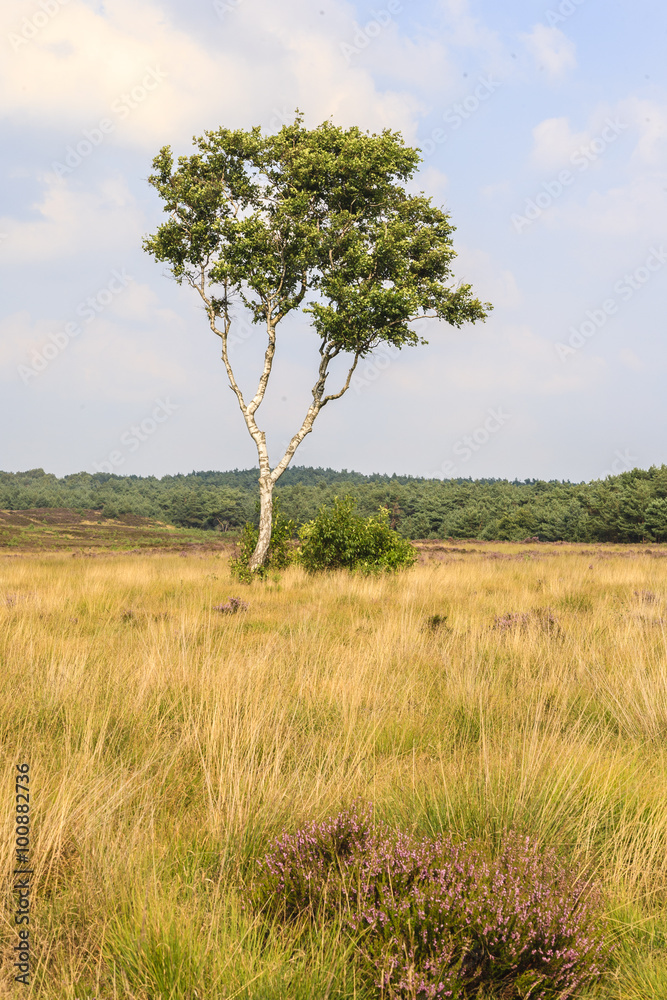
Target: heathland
x=492 y=686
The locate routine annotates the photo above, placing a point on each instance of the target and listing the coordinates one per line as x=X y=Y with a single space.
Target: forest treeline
x=630 y=507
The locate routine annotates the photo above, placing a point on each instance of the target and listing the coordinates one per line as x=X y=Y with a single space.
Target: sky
x=543 y=130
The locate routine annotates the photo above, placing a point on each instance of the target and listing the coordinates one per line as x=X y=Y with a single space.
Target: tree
x=317 y=220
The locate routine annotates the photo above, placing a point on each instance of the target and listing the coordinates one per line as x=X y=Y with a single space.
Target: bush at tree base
x=432 y=918
x=280 y=553
x=339 y=539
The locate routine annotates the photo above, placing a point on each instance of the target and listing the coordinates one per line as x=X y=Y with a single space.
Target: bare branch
x=298 y=300
x=268 y=363
x=223 y=334
x=315 y=407
x=337 y=395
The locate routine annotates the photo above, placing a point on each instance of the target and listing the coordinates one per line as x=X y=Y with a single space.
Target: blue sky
x=544 y=131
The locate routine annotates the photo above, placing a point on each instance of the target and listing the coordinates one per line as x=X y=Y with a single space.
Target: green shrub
x=340 y=539
x=280 y=553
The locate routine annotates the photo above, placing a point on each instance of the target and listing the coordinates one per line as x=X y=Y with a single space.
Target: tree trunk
x=258 y=557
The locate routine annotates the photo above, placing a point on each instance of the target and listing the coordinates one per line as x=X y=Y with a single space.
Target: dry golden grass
x=168 y=743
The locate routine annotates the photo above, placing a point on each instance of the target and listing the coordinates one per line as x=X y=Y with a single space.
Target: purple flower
x=434 y=917
x=233 y=605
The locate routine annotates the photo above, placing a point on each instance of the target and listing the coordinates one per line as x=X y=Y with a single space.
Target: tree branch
x=337 y=395
x=248 y=411
x=315 y=406
x=223 y=334
x=256 y=401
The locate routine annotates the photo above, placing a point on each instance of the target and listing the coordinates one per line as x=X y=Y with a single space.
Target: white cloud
x=425 y=63
x=323 y=87
x=17 y=337
x=141 y=303
x=638 y=208
x=512 y=358
x=88 y=64
x=630 y=360
x=635 y=130
x=76 y=66
x=490 y=281
x=106 y=359
x=68 y=222
x=554 y=143
x=497 y=360
x=432 y=182
x=649 y=118
x=113 y=364
x=466 y=31
x=551 y=49
x=498 y=192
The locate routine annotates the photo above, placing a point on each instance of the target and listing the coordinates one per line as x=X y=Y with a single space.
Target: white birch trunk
x=268 y=478
x=260 y=554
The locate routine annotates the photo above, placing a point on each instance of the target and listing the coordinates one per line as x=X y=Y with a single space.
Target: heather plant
x=542 y=618
x=450 y=922
x=232 y=606
x=309 y=871
x=338 y=538
x=647 y=596
x=434 y=918
x=510 y=621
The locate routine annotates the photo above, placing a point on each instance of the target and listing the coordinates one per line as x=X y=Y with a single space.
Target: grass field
x=168 y=743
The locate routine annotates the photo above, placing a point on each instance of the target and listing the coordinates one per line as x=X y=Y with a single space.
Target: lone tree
x=317 y=220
